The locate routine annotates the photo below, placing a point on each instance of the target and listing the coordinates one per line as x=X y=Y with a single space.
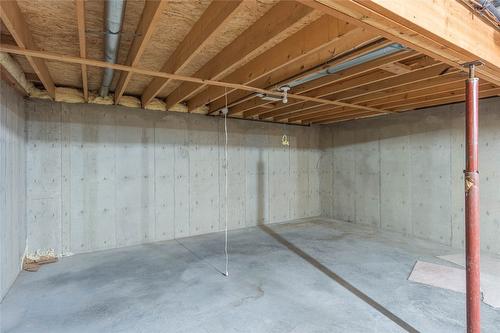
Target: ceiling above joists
x=196 y=56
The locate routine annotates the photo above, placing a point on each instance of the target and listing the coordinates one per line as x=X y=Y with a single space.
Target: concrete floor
x=314 y=276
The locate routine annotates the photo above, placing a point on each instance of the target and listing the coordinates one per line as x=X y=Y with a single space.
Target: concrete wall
x=12 y=186
x=404 y=173
x=101 y=177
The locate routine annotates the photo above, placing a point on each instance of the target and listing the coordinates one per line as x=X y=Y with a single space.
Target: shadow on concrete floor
x=332 y=275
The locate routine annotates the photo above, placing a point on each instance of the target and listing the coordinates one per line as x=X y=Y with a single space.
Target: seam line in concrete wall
x=155 y=213
x=450 y=185
x=61 y=148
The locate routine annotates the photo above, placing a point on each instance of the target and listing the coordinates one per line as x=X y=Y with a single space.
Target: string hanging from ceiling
x=226 y=166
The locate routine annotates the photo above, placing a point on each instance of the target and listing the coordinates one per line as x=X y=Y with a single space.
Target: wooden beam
x=314 y=44
x=406 y=89
x=396 y=68
x=422 y=88
x=80 y=18
x=371 y=86
x=487 y=89
x=443 y=29
x=347 y=117
x=417 y=97
x=362 y=98
x=14 y=21
x=440 y=99
x=284 y=75
x=102 y=64
x=339 y=48
x=299 y=114
x=325 y=83
x=270 y=26
x=411 y=92
x=345 y=86
x=200 y=34
x=340 y=85
x=150 y=15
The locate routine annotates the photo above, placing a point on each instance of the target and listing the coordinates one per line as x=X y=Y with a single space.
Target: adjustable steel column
x=472 y=226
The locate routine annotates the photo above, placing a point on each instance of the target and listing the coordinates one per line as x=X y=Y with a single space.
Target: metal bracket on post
x=472 y=67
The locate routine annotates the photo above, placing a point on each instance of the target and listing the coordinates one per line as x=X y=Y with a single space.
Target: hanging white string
x=225 y=176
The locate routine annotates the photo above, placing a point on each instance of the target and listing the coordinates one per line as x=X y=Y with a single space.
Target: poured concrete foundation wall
x=12 y=186
x=101 y=177
x=404 y=173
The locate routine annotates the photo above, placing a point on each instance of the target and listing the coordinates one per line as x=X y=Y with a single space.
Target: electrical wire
x=226 y=187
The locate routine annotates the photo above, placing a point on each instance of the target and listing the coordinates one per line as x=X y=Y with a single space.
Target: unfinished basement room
x=210 y=166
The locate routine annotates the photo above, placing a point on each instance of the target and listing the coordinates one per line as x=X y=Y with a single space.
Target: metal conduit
x=115 y=10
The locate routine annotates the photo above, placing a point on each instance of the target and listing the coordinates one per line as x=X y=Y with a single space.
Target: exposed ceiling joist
x=348 y=79
x=261 y=50
x=269 y=27
x=311 y=65
x=102 y=64
x=441 y=29
x=486 y=90
x=422 y=88
x=440 y=99
x=345 y=116
x=371 y=85
x=14 y=21
x=150 y=16
x=396 y=68
x=320 y=40
x=349 y=41
x=203 y=30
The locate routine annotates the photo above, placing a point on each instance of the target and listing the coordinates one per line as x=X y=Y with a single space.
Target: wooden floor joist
x=293 y=55
x=198 y=56
x=439 y=99
x=203 y=30
x=372 y=98
x=149 y=18
x=358 y=86
x=278 y=78
x=312 y=86
x=77 y=60
x=275 y=22
x=325 y=111
x=441 y=29
x=14 y=21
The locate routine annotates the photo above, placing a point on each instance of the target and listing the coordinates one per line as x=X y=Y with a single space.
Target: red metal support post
x=472 y=226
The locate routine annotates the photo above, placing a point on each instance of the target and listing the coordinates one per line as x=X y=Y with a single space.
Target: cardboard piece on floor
x=46 y=260
x=489 y=264
x=33 y=265
x=491 y=289
x=490 y=276
x=440 y=276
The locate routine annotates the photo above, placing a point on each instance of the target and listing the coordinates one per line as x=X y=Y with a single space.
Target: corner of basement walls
x=13 y=224
x=404 y=173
